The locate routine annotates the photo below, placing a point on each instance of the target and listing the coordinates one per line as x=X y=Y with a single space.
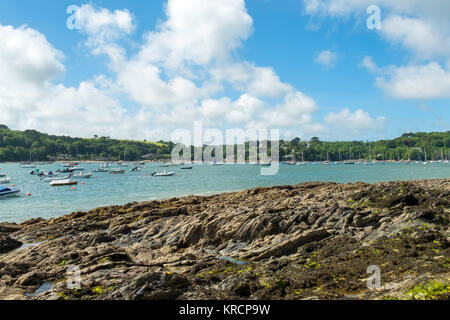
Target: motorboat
x=82 y=175
x=66 y=182
x=135 y=169
x=117 y=171
x=2 y=175
x=100 y=170
x=28 y=166
x=4 y=180
x=163 y=174
x=4 y=192
x=54 y=178
x=186 y=168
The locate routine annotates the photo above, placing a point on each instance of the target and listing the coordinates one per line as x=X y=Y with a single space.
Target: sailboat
x=425 y=161
x=328 y=160
x=303 y=160
x=351 y=157
x=122 y=164
x=28 y=164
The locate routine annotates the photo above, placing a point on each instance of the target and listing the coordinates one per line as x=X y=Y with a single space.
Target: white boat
x=82 y=175
x=25 y=166
x=76 y=169
x=54 y=178
x=66 y=182
x=163 y=174
x=5 y=192
x=117 y=171
x=4 y=180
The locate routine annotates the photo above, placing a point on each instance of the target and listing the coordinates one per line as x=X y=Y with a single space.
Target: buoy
x=82 y=183
x=73 y=188
x=13 y=185
x=28 y=194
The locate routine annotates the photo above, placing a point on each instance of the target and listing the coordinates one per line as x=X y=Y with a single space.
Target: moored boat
x=5 y=192
x=66 y=182
x=4 y=180
x=117 y=171
x=82 y=175
x=163 y=174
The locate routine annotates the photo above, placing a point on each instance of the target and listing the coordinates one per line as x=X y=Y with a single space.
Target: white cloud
x=326 y=58
x=257 y=81
x=356 y=123
x=422 y=27
x=178 y=75
x=429 y=81
x=199 y=32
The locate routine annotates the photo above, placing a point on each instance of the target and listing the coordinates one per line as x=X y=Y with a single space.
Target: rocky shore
x=309 y=241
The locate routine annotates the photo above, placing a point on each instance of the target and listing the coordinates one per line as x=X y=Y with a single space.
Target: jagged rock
x=296 y=242
x=8 y=244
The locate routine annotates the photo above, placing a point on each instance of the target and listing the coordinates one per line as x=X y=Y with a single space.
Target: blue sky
x=369 y=84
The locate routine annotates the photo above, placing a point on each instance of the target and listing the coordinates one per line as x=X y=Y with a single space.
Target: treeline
x=36 y=146
x=30 y=144
x=410 y=146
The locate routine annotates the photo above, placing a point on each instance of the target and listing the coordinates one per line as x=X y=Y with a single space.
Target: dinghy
x=66 y=182
x=55 y=178
x=163 y=174
x=117 y=171
x=4 y=180
x=82 y=175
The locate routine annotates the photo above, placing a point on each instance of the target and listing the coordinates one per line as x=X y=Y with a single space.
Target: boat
x=100 y=170
x=28 y=164
x=135 y=169
x=2 y=175
x=25 y=166
x=77 y=169
x=266 y=164
x=163 y=174
x=186 y=168
x=116 y=171
x=82 y=175
x=66 y=182
x=5 y=192
x=54 y=178
x=4 y=180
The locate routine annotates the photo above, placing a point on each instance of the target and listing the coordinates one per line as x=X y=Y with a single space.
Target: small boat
x=28 y=166
x=54 y=178
x=2 y=175
x=163 y=174
x=4 y=180
x=66 y=182
x=135 y=169
x=77 y=169
x=100 y=170
x=117 y=171
x=82 y=175
x=4 y=192
x=186 y=168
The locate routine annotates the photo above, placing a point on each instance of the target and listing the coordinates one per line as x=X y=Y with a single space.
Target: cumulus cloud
x=354 y=123
x=177 y=76
x=326 y=58
x=421 y=27
x=429 y=81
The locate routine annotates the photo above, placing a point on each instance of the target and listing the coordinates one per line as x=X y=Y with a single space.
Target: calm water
x=106 y=189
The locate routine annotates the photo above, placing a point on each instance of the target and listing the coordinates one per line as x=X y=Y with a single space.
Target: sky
x=144 y=69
